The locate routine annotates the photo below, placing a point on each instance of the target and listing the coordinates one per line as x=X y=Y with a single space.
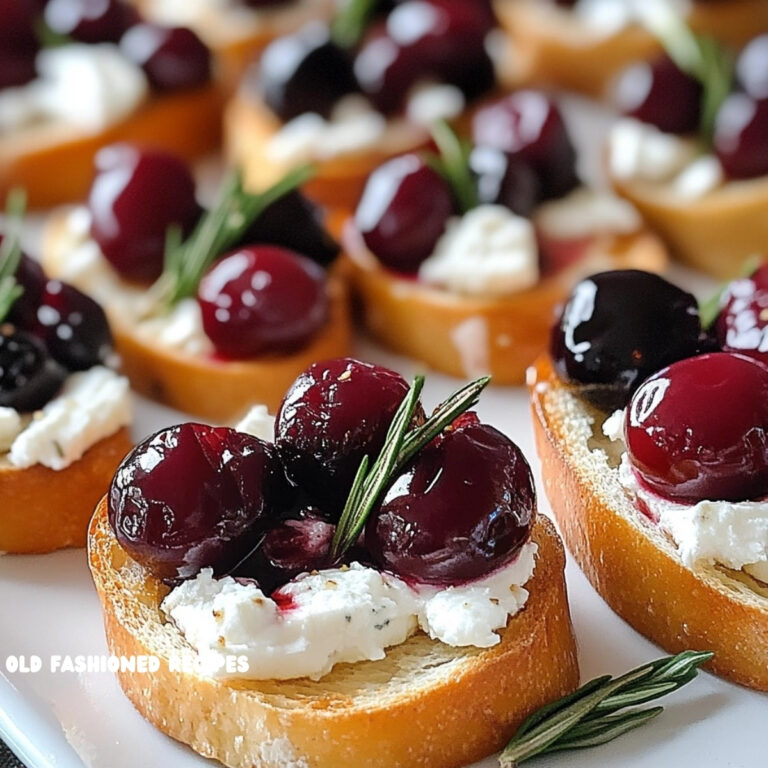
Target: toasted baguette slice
x=426 y=704
x=554 y=49
x=42 y=509
x=470 y=336
x=628 y=559
x=216 y=390
x=717 y=232
x=54 y=163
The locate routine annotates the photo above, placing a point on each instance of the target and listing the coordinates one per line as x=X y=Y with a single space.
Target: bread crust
x=551 y=49
x=42 y=510
x=448 y=708
x=472 y=336
x=55 y=164
x=628 y=560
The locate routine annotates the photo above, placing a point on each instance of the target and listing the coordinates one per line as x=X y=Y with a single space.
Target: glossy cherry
x=194 y=496
x=30 y=276
x=740 y=142
x=752 y=67
x=136 y=196
x=262 y=299
x=404 y=209
x=658 y=92
x=463 y=509
x=528 y=125
x=16 y=68
x=89 y=21
x=334 y=414
x=505 y=179
x=173 y=58
x=29 y=377
x=617 y=328
x=304 y=72
x=18 y=20
x=699 y=429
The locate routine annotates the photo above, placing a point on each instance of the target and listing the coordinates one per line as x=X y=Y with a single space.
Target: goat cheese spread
x=734 y=534
x=257 y=422
x=609 y=17
x=338 y=615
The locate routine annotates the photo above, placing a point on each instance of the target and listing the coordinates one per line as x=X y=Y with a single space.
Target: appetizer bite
x=653 y=436
x=76 y=76
x=381 y=576
x=691 y=150
x=63 y=412
x=350 y=94
x=459 y=260
x=210 y=310
x=581 y=45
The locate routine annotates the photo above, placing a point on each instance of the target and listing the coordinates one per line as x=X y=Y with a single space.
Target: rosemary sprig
x=710 y=307
x=452 y=163
x=351 y=21
x=10 y=251
x=219 y=229
x=400 y=446
x=592 y=715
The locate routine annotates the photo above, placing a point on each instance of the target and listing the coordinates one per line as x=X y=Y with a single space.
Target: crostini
x=420 y=650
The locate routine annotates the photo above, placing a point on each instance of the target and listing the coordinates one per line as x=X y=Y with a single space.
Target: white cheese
x=10 y=426
x=337 y=615
x=429 y=102
x=608 y=17
x=92 y=405
x=181 y=328
x=259 y=423
x=488 y=251
x=700 y=177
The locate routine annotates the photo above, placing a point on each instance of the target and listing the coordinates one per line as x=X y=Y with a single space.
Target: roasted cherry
x=334 y=414
x=528 y=124
x=89 y=21
x=740 y=142
x=618 y=328
x=699 y=429
x=262 y=299
x=29 y=377
x=403 y=211
x=173 y=58
x=18 y=20
x=136 y=196
x=505 y=180
x=30 y=276
x=752 y=67
x=194 y=496
x=658 y=92
x=304 y=72
x=16 y=68
x=463 y=509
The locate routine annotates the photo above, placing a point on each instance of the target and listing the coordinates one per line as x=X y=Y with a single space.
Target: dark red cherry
x=173 y=58
x=658 y=92
x=528 y=125
x=296 y=223
x=334 y=414
x=506 y=180
x=18 y=19
x=194 y=496
x=29 y=275
x=742 y=325
x=262 y=299
x=265 y=3
x=699 y=429
x=741 y=128
x=617 y=328
x=403 y=211
x=89 y=21
x=304 y=72
x=16 y=68
x=136 y=196
x=461 y=511
x=29 y=377
x=752 y=67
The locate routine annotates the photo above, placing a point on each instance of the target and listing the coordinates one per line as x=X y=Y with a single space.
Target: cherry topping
x=335 y=413
x=136 y=196
x=262 y=299
x=658 y=92
x=403 y=211
x=505 y=180
x=740 y=142
x=742 y=325
x=17 y=28
x=752 y=67
x=304 y=72
x=463 y=509
x=89 y=21
x=16 y=68
x=173 y=58
x=699 y=429
x=30 y=276
x=528 y=125
x=618 y=328
x=194 y=496
x=29 y=378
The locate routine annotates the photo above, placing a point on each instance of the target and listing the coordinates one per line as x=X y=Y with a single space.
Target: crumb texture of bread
x=426 y=704
x=628 y=559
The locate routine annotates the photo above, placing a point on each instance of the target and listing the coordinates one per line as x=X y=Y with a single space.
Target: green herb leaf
x=10 y=251
x=453 y=164
x=351 y=22
x=592 y=714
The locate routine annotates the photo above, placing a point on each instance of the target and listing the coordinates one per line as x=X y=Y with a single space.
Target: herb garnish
x=452 y=163
x=400 y=446
x=10 y=251
x=352 y=21
x=591 y=715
